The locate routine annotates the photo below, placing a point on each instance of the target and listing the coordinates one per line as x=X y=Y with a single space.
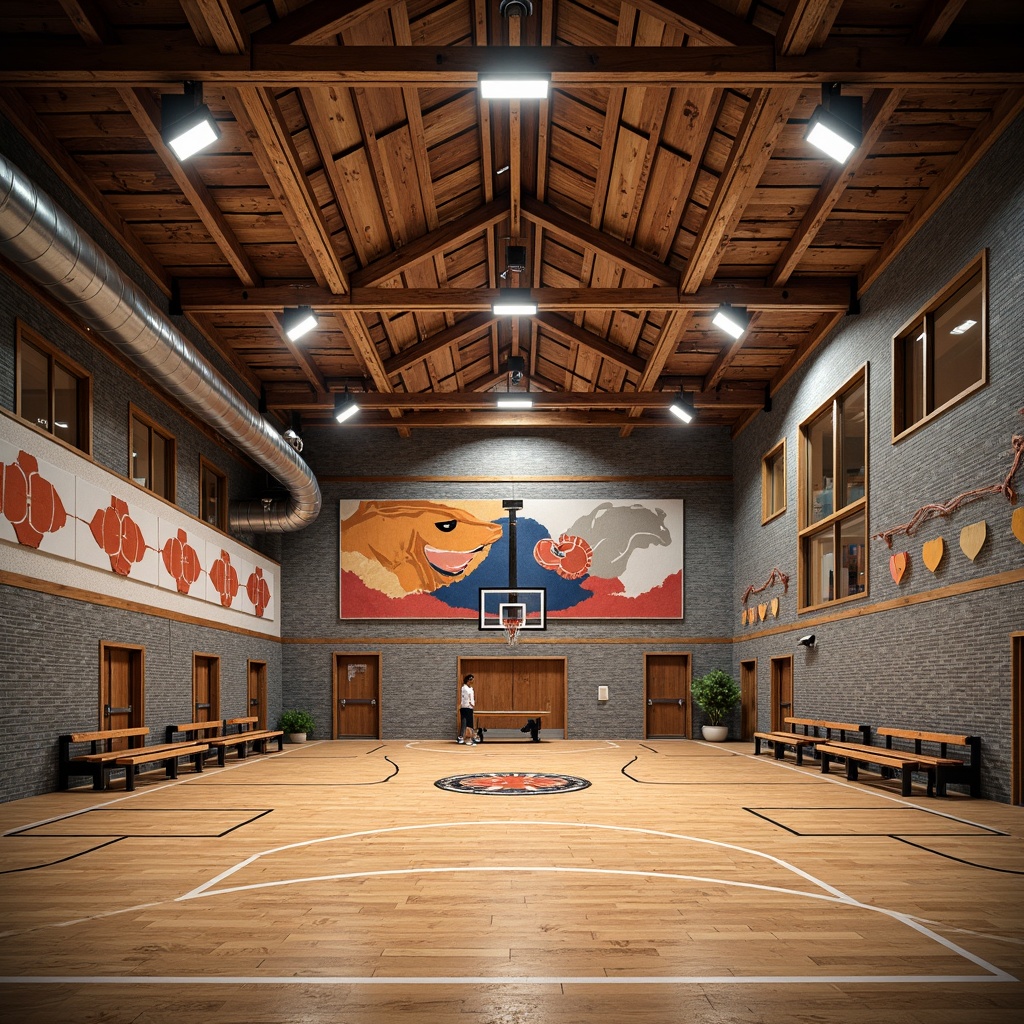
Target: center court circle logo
x=512 y=783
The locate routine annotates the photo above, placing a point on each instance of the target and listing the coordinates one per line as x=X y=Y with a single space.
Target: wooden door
x=356 y=696
x=256 y=691
x=521 y=683
x=205 y=688
x=122 y=688
x=1017 y=718
x=667 y=695
x=748 y=698
x=782 y=691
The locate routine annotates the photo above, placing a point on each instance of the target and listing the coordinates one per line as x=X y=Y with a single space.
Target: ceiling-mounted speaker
x=515 y=8
x=515 y=258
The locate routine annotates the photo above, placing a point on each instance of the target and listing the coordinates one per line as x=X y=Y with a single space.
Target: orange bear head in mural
x=409 y=547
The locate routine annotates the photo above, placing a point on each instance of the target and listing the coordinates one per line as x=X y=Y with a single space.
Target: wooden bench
x=810 y=727
x=859 y=753
x=163 y=753
x=942 y=769
x=780 y=740
x=221 y=742
x=812 y=731
x=101 y=760
x=532 y=722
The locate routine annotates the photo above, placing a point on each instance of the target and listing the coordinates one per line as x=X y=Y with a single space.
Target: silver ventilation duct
x=43 y=241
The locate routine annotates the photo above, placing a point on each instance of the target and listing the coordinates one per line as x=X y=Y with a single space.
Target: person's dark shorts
x=467 y=717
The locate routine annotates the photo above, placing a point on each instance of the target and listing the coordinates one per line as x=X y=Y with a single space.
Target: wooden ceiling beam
x=169 y=61
x=452 y=335
x=218 y=23
x=434 y=243
x=584 y=418
x=186 y=176
x=90 y=22
x=936 y=21
x=213 y=296
x=582 y=234
x=306 y=363
x=572 y=334
x=705 y=21
x=317 y=20
x=806 y=23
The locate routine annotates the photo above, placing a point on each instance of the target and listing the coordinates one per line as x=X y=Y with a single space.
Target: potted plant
x=716 y=694
x=297 y=725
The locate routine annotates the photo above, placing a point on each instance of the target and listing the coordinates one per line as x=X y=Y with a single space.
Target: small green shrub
x=716 y=694
x=296 y=721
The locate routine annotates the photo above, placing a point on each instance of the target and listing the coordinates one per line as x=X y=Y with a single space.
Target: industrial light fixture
x=515 y=402
x=807 y=641
x=293 y=435
x=835 y=126
x=186 y=124
x=514 y=87
x=683 y=409
x=734 y=320
x=298 y=322
x=514 y=302
x=345 y=407
x=516 y=369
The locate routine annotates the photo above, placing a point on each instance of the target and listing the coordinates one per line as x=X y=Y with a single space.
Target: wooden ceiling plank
x=880 y=108
x=275 y=151
x=806 y=23
x=303 y=359
x=572 y=334
x=89 y=20
x=227 y=351
x=426 y=247
x=1002 y=116
x=218 y=23
x=18 y=112
x=318 y=20
x=577 y=231
x=366 y=351
x=704 y=21
x=144 y=109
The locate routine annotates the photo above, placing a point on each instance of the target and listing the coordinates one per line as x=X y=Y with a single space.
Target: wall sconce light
x=835 y=126
x=298 y=322
x=514 y=302
x=807 y=641
x=683 y=409
x=734 y=320
x=186 y=124
x=345 y=407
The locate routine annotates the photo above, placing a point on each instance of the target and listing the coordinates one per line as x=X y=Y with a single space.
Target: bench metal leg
x=757 y=745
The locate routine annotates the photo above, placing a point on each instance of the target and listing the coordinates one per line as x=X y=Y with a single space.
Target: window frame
x=171 y=469
x=24 y=335
x=205 y=466
x=768 y=462
x=831 y=524
x=925 y=318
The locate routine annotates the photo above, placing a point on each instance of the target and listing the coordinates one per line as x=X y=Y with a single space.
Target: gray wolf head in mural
x=614 y=532
x=410 y=547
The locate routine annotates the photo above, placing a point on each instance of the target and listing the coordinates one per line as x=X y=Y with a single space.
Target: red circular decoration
x=30 y=502
x=512 y=783
x=258 y=591
x=181 y=561
x=118 y=535
x=225 y=579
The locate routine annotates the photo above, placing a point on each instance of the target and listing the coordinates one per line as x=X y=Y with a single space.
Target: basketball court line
x=452 y=747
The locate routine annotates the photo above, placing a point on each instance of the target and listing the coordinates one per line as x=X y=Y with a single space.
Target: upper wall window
x=152 y=455
x=53 y=393
x=213 y=495
x=773 y=482
x=833 y=498
x=941 y=356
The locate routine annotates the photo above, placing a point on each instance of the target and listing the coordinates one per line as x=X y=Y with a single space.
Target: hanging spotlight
x=187 y=125
x=345 y=407
x=514 y=302
x=298 y=322
x=682 y=408
x=835 y=126
x=734 y=320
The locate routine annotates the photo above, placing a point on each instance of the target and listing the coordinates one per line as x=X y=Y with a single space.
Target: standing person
x=467 y=701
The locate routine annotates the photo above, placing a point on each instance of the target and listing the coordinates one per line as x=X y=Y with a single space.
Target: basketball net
x=512 y=628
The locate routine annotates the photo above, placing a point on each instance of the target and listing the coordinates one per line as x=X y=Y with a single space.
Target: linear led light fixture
x=187 y=126
x=345 y=407
x=298 y=322
x=734 y=320
x=835 y=125
x=514 y=302
x=515 y=402
x=514 y=87
x=683 y=409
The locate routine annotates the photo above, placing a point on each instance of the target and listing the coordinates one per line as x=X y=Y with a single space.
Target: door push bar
x=202 y=707
x=356 y=700
x=108 y=710
x=664 y=700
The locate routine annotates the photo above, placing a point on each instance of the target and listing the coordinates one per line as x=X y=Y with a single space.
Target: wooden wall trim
x=530 y=641
x=724 y=478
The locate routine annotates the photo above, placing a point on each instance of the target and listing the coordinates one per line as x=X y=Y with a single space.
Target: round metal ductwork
x=50 y=248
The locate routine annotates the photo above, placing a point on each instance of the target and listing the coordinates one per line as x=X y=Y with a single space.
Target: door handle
x=254 y=703
x=108 y=710
x=202 y=707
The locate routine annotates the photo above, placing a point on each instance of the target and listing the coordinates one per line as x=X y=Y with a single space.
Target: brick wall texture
x=943 y=664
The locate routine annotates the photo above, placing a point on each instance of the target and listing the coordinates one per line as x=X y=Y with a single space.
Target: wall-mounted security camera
x=807 y=641
x=293 y=439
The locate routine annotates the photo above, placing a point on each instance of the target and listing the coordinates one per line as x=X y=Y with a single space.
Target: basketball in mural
x=258 y=590
x=224 y=577
x=30 y=502
x=181 y=561
x=119 y=535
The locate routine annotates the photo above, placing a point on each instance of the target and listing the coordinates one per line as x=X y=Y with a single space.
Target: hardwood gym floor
x=334 y=882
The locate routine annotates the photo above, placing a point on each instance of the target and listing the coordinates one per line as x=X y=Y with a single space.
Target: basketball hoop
x=512 y=628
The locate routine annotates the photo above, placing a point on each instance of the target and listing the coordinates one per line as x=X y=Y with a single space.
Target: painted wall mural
x=597 y=559
x=96 y=519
